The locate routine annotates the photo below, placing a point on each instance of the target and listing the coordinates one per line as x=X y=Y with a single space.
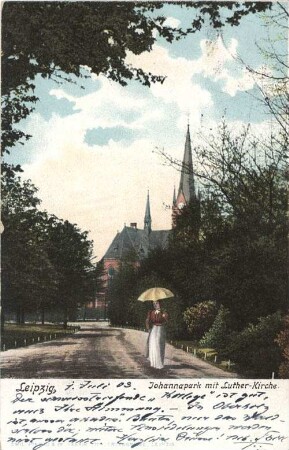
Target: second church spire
x=147 y=218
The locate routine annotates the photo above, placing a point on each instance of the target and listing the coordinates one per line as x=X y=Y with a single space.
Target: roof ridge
x=122 y=240
x=132 y=243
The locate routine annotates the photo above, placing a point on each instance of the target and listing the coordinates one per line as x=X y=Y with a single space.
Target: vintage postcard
x=144 y=225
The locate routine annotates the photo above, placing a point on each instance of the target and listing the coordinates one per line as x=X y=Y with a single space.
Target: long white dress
x=157 y=341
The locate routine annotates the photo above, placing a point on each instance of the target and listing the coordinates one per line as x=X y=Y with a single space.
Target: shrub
x=255 y=350
x=199 y=318
x=217 y=336
x=283 y=342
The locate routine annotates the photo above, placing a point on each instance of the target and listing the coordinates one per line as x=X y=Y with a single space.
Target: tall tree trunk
x=22 y=316
x=2 y=320
x=18 y=315
x=42 y=315
x=65 y=320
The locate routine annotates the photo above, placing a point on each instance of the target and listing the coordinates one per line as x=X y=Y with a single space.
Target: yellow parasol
x=155 y=294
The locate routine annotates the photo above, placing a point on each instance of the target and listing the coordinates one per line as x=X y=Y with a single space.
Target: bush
x=218 y=334
x=199 y=318
x=283 y=342
x=255 y=349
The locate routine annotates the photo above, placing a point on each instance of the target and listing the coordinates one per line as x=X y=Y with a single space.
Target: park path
x=100 y=351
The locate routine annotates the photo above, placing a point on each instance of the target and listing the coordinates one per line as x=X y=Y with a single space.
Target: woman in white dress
x=155 y=324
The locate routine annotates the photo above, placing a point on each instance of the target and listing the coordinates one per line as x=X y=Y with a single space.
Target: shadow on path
x=100 y=351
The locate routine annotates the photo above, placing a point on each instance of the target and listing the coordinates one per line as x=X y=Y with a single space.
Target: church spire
x=147 y=218
x=187 y=183
x=174 y=196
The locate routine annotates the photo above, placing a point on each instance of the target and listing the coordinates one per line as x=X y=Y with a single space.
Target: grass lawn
x=208 y=354
x=22 y=335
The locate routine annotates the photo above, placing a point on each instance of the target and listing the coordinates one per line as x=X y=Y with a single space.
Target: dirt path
x=99 y=351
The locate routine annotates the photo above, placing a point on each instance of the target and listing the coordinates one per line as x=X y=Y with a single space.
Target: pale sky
x=92 y=151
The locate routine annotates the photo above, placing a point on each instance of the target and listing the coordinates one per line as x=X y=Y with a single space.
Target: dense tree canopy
x=46 y=261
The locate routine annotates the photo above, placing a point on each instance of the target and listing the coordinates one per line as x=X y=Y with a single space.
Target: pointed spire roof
x=147 y=218
x=187 y=183
x=174 y=196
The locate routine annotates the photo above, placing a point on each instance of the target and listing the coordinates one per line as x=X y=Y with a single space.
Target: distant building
x=135 y=243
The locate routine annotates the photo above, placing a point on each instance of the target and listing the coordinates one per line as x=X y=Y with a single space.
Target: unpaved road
x=100 y=351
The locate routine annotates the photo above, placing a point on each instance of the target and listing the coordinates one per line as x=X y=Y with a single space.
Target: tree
x=56 y=39
x=120 y=290
x=70 y=252
x=187 y=224
x=217 y=336
x=272 y=78
x=28 y=277
x=37 y=39
x=46 y=261
x=243 y=229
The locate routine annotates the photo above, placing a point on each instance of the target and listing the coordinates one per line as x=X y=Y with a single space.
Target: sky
x=93 y=151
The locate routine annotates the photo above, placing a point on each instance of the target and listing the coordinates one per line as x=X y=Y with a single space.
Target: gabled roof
x=134 y=241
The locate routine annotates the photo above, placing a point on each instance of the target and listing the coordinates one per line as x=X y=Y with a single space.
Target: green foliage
x=254 y=349
x=121 y=289
x=235 y=11
x=176 y=328
x=158 y=270
x=239 y=256
x=46 y=262
x=249 y=276
x=30 y=333
x=217 y=336
x=199 y=318
x=282 y=341
x=56 y=39
x=235 y=252
x=244 y=225
x=70 y=252
x=16 y=106
x=186 y=231
x=124 y=308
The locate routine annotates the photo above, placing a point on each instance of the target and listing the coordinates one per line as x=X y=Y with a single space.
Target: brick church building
x=135 y=243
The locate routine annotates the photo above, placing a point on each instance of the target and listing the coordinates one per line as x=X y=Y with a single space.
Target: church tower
x=147 y=218
x=186 y=192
